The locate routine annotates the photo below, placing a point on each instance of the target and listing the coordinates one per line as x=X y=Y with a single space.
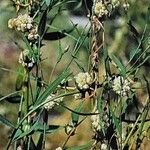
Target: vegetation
x=71 y=79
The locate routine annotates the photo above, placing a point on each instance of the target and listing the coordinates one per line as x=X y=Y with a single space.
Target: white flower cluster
x=83 y=80
x=25 y=59
x=95 y=122
x=58 y=148
x=126 y=5
x=115 y=3
x=49 y=105
x=24 y=23
x=21 y=23
x=104 y=146
x=100 y=9
x=19 y=148
x=77 y=96
x=33 y=34
x=121 y=86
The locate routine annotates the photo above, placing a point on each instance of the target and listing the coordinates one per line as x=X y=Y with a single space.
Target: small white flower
x=49 y=105
x=83 y=80
x=104 y=147
x=19 y=148
x=115 y=3
x=30 y=65
x=121 y=86
x=33 y=34
x=22 y=59
x=100 y=9
x=29 y=26
x=21 y=23
x=77 y=96
x=126 y=5
x=95 y=121
x=59 y=148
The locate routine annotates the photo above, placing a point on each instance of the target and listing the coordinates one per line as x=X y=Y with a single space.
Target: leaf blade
x=5 y=121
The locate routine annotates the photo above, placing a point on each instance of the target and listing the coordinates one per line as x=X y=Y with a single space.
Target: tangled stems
x=109 y=96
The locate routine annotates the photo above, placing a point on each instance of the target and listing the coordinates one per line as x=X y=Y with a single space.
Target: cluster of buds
x=33 y=34
x=51 y=103
x=100 y=9
x=95 y=122
x=126 y=5
x=104 y=146
x=115 y=3
x=59 y=148
x=24 y=23
x=83 y=80
x=21 y=23
x=78 y=96
x=121 y=86
x=26 y=59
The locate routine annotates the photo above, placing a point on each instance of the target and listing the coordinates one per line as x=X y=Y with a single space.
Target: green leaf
x=58 y=34
x=16 y=134
x=100 y=103
x=106 y=61
x=48 y=128
x=20 y=134
x=75 y=116
x=120 y=65
x=133 y=29
x=19 y=80
x=14 y=99
x=27 y=42
x=42 y=24
x=40 y=142
x=37 y=127
x=133 y=53
x=82 y=147
x=89 y=4
x=116 y=121
x=52 y=87
x=78 y=5
x=6 y=122
x=47 y=2
x=79 y=65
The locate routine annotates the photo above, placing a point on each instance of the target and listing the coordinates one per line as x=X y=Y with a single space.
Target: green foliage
x=82 y=147
x=120 y=66
x=6 y=122
x=69 y=70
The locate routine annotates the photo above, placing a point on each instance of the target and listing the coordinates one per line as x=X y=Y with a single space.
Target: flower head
x=33 y=35
x=21 y=23
x=126 y=5
x=77 y=96
x=95 y=121
x=121 y=86
x=83 y=80
x=58 y=148
x=26 y=59
x=104 y=146
x=100 y=9
x=115 y=3
x=49 y=105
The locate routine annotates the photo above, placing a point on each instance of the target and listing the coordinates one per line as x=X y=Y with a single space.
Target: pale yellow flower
x=83 y=80
x=100 y=9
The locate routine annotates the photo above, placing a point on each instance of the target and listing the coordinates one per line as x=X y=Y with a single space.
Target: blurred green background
x=119 y=40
